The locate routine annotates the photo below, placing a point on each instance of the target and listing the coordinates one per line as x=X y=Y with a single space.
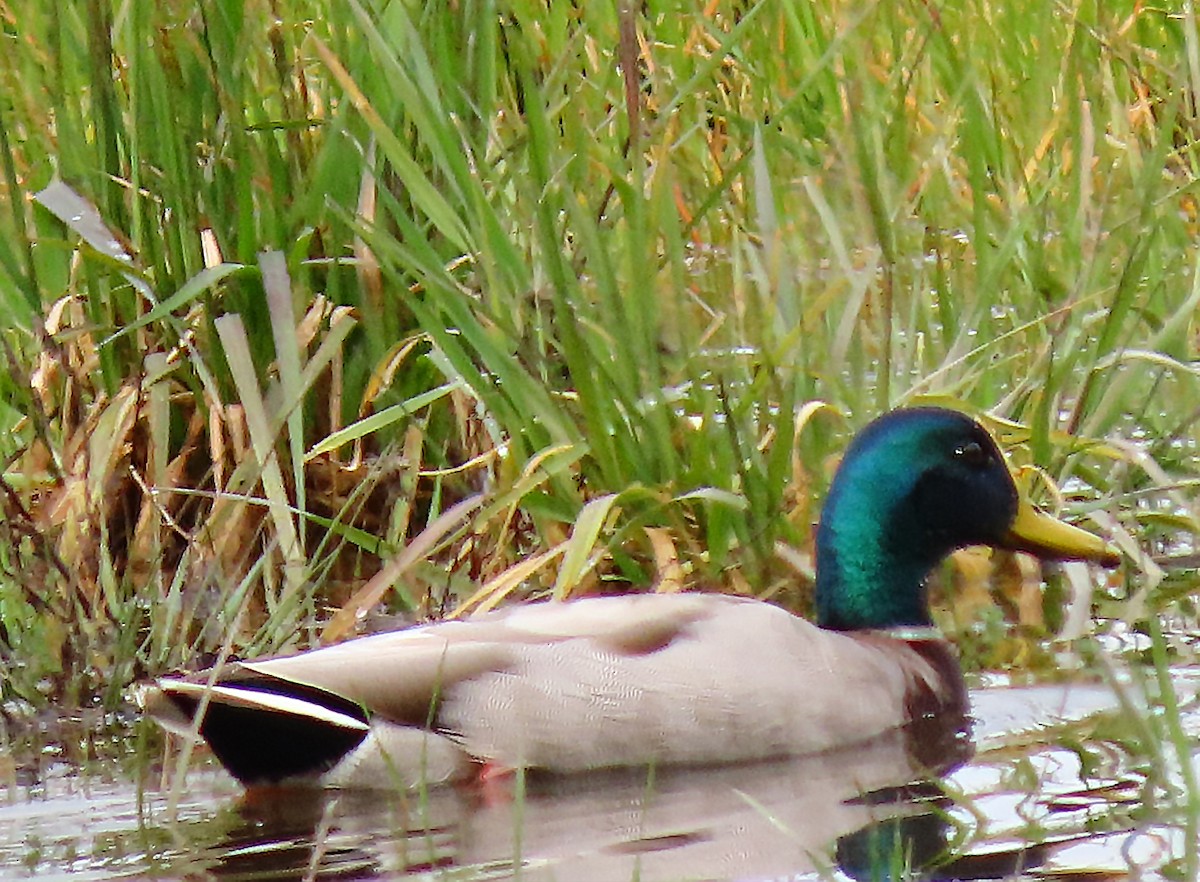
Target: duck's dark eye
x=972 y=453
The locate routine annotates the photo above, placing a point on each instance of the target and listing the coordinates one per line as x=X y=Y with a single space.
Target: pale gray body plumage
x=613 y=681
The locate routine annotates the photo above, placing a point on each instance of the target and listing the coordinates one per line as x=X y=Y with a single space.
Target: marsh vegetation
x=320 y=317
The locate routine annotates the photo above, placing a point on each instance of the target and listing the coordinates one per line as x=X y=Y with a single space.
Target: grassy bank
x=313 y=308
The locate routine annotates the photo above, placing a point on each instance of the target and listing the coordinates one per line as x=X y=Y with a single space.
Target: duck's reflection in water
x=763 y=820
x=917 y=846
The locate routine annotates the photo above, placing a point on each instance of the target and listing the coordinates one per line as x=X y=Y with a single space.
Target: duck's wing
x=302 y=714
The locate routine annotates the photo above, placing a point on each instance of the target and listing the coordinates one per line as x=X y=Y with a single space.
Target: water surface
x=1053 y=784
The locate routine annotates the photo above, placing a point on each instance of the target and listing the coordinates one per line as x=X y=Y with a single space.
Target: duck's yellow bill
x=1049 y=538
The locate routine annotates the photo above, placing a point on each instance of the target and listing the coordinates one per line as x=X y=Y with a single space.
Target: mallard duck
x=653 y=678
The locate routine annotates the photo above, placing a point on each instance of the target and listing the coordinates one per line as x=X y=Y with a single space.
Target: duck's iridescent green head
x=915 y=485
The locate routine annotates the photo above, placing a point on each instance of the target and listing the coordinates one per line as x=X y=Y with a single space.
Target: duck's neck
x=860 y=590
x=871 y=568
